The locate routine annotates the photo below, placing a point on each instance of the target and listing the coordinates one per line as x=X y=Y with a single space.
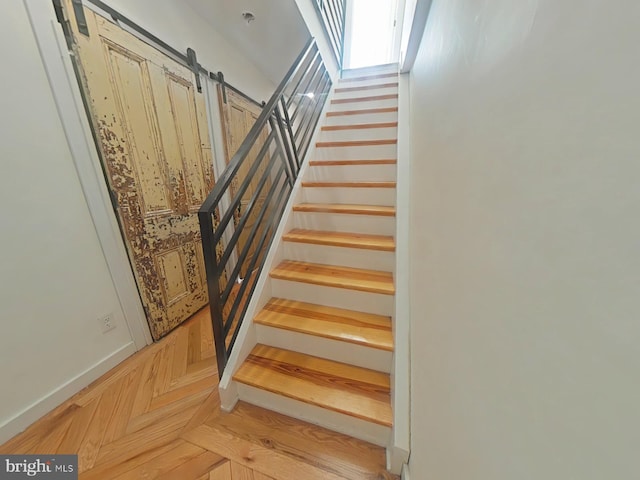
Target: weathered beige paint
x=238 y=116
x=153 y=138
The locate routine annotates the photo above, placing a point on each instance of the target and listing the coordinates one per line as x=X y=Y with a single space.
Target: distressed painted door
x=238 y=116
x=151 y=127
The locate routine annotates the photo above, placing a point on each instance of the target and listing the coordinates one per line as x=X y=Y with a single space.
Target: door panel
x=152 y=133
x=238 y=117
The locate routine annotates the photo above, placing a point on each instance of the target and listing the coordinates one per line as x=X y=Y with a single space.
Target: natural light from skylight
x=371 y=33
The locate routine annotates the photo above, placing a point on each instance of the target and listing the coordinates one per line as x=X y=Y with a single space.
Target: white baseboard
x=41 y=407
x=405 y=472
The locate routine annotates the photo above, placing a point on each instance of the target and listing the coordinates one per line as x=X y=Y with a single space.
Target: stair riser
x=352 y=173
x=330 y=349
x=337 y=222
x=383 y=103
x=369 y=432
x=366 y=302
x=365 y=93
x=361 y=118
x=359 y=134
x=346 y=257
x=359 y=196
x=370 y=152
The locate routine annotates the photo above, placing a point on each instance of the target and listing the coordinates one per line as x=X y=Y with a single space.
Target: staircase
x=324 y=338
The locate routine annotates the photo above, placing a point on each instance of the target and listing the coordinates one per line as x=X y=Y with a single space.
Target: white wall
x=54 y=280
x=178 y=25
x=525 y=240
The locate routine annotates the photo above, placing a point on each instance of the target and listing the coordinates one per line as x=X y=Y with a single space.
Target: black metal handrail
x=260 y=177
x=333 y=14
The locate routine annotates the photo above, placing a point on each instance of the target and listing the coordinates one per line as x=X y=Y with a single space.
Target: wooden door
x=151 y=127
x=238 y=117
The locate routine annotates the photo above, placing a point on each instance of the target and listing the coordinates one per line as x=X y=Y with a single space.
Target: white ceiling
x=272 y=41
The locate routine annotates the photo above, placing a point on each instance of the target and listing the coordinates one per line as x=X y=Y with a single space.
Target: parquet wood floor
x=157 y=416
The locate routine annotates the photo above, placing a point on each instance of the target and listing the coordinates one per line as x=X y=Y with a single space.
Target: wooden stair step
x=331 y=163
x=366 y=87
x=380 y=184
x=377 y=210
x=353 y=391
x=358 y=143
x=373 y=281
x=371 y=98
x=364 y=111
x=359 y=126
x=359 y=328
x=369 y=77
x=364 y=241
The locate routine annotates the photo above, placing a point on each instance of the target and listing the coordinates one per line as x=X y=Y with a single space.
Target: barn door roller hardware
x=195 y=66
x=220 y=79
x=81 y=20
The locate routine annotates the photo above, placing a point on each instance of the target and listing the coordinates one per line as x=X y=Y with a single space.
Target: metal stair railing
x=256 y=186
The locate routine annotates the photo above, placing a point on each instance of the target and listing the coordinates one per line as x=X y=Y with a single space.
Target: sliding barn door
x=238 y=117
x=152 y=132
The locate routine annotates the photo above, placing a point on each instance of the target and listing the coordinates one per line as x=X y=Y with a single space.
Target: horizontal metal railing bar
x=245 y=252
x=314 y=62
x=308 y=81
x=312 y=86
x=296 y=90
x=336 y=49
x=276 y=214
x=225 y=179
x=231 y=245
x=312 y=102
x=237 y=198
x=307 y=139
x=333 y=23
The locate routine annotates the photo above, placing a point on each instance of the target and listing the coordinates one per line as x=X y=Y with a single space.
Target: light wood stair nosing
x=263 y=370
x=331 y=163
x=373 y=184
x=359 y=126
x=348 y=326
x=371 y=98
x=357 y=143
x=364 y=111
x=363 y=241
x=348 y=278
x=347 y=209
x=368 y=77
x=366 y=87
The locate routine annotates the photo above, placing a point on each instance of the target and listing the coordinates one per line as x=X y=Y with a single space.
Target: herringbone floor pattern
x=157 y=416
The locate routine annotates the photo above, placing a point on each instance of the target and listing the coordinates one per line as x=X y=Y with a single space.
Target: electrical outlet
x=106 y=323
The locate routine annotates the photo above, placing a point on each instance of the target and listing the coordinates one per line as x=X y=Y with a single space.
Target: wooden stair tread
x=353 y=391
x=366 y=87
x=373 y=281
x=329 y=163
x=328 y=322
x=359 y=126
x=342 y=239
x=368 y=77
x=364 y=111
x=377 y=184
x=377 y=210
x=358 y=143
x=371 y=98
